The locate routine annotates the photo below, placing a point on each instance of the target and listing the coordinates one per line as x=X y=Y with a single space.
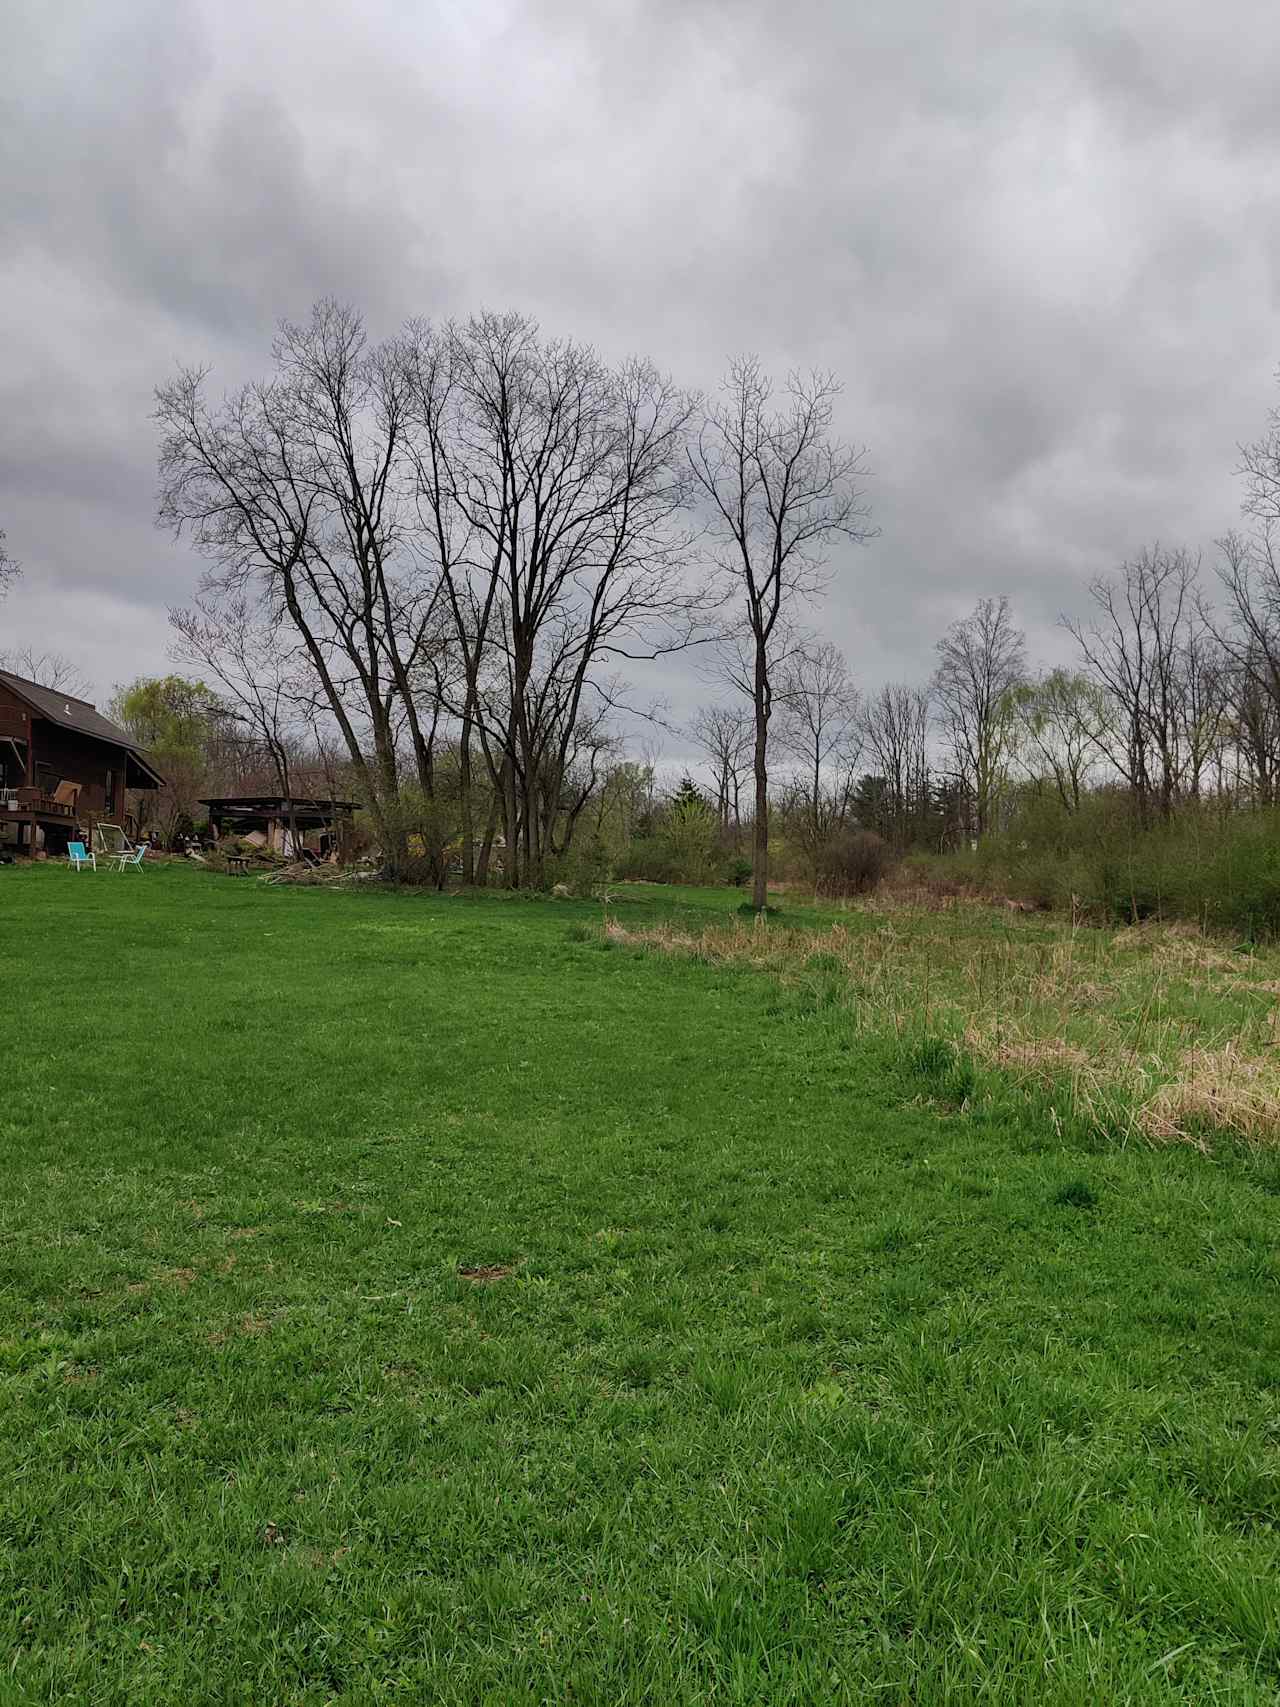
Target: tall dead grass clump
x=1215 y=1090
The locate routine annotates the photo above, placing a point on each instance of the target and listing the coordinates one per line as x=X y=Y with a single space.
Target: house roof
x=78 y=714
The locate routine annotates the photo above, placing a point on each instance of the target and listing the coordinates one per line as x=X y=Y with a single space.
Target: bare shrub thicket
x=851 y=862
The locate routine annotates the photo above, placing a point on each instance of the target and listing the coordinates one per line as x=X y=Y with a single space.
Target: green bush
x=1221 y=871
x=584 y=868
x=685 y=851
x=650 y=859
x=1218 y=869
x=1050 y=878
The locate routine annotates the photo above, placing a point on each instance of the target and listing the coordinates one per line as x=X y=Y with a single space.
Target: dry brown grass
x=485 y=1274
x=1176 y=946
x=1040 y=1058
x=1216 y=1090
x=1159 y=1029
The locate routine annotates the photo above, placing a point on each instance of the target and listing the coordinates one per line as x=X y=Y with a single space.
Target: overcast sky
x=1039 y=243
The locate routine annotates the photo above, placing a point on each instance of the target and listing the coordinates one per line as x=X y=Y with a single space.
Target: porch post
x=31 y=783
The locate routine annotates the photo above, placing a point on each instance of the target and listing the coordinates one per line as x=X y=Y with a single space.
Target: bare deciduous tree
x=47 y=669
x=981 y=661
x=1148 y=649
x=10 y=568
x=1250 y=638
x=1249 y=570
x=723 y=732
x=1260 y=467
x=780 y=490
x=1201 y=701
x=822 y=730
x=550 y=487
x=896 y=724
x=1251 y=733
x=293 y=488
x=256 y=671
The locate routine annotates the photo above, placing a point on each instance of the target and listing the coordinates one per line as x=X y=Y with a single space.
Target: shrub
x=1218 y=869
x=583 y=869
x=852 y=862
x=649 y=859
x=738 y=871
x=683 y=853
x=692 y=834
x=1049 y=879
x=1223 y=872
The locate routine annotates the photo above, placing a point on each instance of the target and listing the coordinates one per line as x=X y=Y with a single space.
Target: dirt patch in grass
x=249 y=1326
x=484 y=1274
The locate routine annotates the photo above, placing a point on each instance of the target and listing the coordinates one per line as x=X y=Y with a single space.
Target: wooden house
x=63 y=767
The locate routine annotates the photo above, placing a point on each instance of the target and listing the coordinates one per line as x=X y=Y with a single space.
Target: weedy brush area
x=1157 y=1031
x=414 y=1298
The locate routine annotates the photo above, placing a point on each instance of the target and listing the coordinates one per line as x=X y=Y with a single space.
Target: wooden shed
x=282 y=822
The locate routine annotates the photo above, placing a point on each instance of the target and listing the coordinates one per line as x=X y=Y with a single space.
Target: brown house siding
x=98 y=768
x=14 y=721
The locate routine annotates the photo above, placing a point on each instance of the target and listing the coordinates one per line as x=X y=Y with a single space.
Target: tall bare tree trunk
x=760 y=830
x=465 y=803
x=486 y=847
x=511 y=823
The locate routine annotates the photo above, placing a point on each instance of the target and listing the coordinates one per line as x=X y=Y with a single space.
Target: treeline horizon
x=434 y=561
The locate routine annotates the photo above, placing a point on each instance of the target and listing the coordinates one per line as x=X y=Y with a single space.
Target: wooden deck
x=30 y=809
x=33 y=804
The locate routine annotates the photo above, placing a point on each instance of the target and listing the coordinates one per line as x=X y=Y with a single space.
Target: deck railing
x=34 y=799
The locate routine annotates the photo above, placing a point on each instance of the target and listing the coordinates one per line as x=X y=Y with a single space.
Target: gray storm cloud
x=1039 y=243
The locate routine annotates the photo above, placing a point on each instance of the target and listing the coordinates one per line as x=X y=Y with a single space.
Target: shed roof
x=257 y=811
x=278 y=802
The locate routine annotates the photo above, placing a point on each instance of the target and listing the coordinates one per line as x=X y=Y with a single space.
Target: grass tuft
x=1076 y=1194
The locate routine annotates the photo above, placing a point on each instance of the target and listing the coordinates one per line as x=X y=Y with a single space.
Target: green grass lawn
x=790 y=1386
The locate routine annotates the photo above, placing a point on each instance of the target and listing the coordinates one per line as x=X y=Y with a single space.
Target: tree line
x=446 y=548
x=1172 y=698
x=434 y=560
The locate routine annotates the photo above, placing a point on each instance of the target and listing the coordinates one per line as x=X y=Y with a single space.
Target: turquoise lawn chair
x=77 y=856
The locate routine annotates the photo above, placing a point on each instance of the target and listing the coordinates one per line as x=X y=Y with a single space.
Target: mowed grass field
x=415 y=1299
